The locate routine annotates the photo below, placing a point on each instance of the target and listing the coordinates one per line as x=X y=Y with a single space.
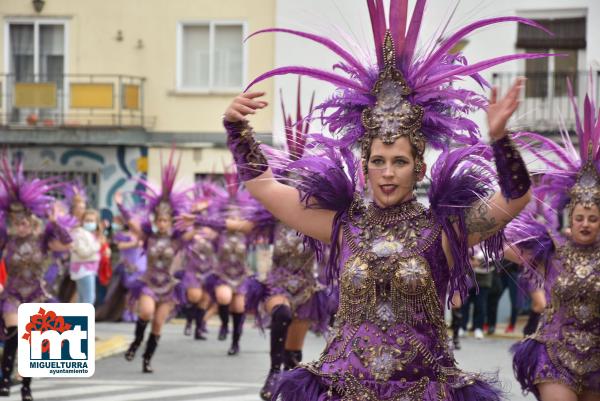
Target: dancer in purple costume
x=200 y=261
x=237 y=220
x=131 y=265
x=25 y=246
x=397 y=262
x=155 y=291
x=561 y=360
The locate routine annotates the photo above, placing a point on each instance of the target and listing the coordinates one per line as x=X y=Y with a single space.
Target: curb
x=111 y=346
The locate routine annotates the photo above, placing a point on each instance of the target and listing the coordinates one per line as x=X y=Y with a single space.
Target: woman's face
x=585 y=224
x=391 y=172
x=78 y=209
x=22 y=226
x=163 y=224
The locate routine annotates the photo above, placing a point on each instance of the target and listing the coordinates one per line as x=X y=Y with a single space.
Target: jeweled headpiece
x=401 y=91
x=586 y=191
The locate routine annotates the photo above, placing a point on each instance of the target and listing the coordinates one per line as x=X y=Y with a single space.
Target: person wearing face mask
x=85 y=256
x=24 y=243
x=561 y=359
x=398 y=264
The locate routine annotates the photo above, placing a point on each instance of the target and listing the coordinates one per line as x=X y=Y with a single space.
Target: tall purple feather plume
x=430 y=76
x=296 y=131
x=177 y=197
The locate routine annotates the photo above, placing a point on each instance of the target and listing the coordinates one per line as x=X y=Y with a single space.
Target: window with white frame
x=210 y=56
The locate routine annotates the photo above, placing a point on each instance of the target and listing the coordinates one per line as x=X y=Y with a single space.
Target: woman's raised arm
x=283 y=201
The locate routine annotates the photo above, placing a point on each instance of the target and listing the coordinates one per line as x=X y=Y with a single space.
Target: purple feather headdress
x=168 y=199
x=19 y=195
x=296 y=131
x=401 y=91
x=570 y=175
x=74 y=191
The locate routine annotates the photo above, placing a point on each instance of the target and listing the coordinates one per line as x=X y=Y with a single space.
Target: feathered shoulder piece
x=327 y=179
x=461 y=178
x=535 y=231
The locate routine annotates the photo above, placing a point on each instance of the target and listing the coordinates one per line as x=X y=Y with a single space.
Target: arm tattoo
x=480 y=222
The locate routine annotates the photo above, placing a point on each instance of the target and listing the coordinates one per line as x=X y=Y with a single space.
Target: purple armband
x=513 y=176
x=216 y=223
x=250 y=160
x=55 y=231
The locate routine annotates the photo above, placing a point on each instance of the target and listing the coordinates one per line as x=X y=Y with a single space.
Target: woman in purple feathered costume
x=234 y=226
x=200 y=260
x=24 y=244
x=561 y=360
x=155 y=292
x=291 y=300
x=397 y=262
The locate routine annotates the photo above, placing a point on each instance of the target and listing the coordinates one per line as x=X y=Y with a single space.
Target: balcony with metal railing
x=73 y=101
x=545 y=105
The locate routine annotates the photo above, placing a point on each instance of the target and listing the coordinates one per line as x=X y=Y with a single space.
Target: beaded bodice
x=571 y=323
x=232 y=254
x=24 y=258
x=200 y=254
x=386 y=278
x=289 y=251
x=161 y=250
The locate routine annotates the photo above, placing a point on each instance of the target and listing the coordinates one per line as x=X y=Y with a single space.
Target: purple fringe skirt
x=318 y=309
x=532 y=365
x=301 y=385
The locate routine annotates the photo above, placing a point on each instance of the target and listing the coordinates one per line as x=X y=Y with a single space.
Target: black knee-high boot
x=26 y=389
x=532 y=323
x=281 y=316
x=291 y=359
x=224 y=315
x=238 y=326
x=8 y=360
x=280 y=322
x=457 y=318
x=140 y=328
x=188 y=312
x=150 y=348
x=199 y=316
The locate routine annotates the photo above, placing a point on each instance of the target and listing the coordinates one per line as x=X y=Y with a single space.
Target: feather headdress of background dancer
x=569 y=175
